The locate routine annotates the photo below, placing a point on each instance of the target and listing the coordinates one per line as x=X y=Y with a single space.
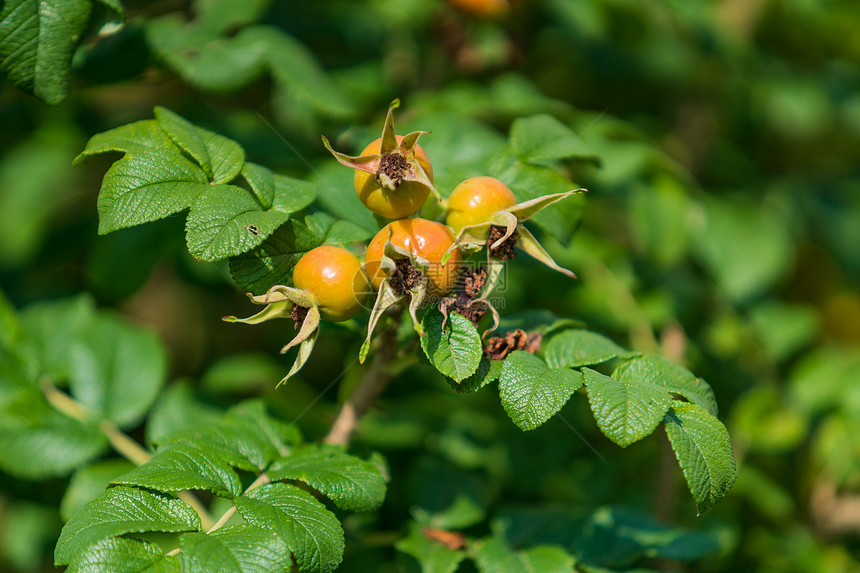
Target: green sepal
x=528 y=209
x=305 y=349
x=385 y=299
x=494 y=273
x=310 y=324
x=530 y=245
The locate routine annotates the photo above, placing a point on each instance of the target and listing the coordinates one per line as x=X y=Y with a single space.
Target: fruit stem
x=371 y=385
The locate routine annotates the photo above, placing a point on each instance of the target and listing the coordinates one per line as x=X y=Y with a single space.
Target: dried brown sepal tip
x=498 y=347
x=405 y=277
x=466 y=301
x=298 y=315
x=507 y=249
x=473 y=281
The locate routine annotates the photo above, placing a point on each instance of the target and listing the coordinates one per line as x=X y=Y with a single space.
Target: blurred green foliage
x=719 y=142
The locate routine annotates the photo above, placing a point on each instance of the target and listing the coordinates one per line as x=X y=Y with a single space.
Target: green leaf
x=226 y=221
x=488 y=371
x=246 y=438
x=37 y=42
x=115 y=554
x=351 y=483
x=655 y=212
x=292 y=195
x=117 y=370
x=575 y=348
x=745 y=244
x=493 y=555
x=311 y=532
x=223 y=15
x=38 y=186
x=89 y=482
x=543 y=140
x=28 y=424
x=152 y=181
x=239 y=548
x=531 y=392
x=335 y=231
x=339 y=198
x=625 y=410
x=261 y=180
x=671 y=376
x=455 y=351
x=221 y=158
x=177 y=409
x=10 y=327
x=432 y=556
x=183 y=467
x=51 y=328
x=273 y=261
x=203 y=61
x=704 y=451
x=123 y=510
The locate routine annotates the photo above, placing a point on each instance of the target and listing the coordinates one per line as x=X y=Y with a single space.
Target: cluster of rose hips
x=410 y=256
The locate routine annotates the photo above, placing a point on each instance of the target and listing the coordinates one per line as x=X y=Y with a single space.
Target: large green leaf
x=312 y=533
x=152 y=181
x=116 y=370
x=531 y=392
x=671 y=376
x=61 y=442
x=488 y=371
x=221 y=158
x=184 y=467
x=89 y=482
x=625 y=411
x=272 y=262
x=227 y=221
x=115 y=554
x=455 y=351
x=246 y=438
x=235 y=549
x=704 y=451
x=492 y=555
x=37 y=39
x=351 y=483
x=122 y=510
x=577 y=347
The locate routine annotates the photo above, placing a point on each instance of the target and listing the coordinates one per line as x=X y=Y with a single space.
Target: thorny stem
x=371 y=385
x=120 y=441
